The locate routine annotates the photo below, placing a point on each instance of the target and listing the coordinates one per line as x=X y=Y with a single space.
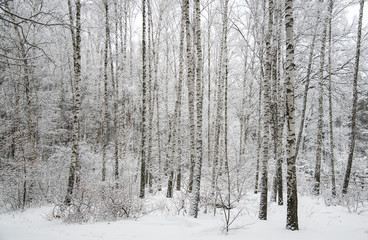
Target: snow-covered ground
x=316 y=221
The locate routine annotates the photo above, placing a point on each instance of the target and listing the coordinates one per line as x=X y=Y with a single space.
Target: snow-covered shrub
x=25 y=183
x=356 y=200
x=100 y=201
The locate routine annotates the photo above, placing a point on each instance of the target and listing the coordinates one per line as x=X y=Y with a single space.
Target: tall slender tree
x=175 y=145
x=307 y=82
x=317 y=171
x=191 y=91
x=144 y=107
x=106 y=93
x=260 y=90
x=277 y=108
x=292 y=195
x=199 y=152
x=150 y=99
x=115 y=87
x=355 y=100
x=177 y=115
x=219 y=111
x=75 y=30
x=124 y=76
x=266 y=117
x=209 y=24
x=226 y=80
x=332 y=155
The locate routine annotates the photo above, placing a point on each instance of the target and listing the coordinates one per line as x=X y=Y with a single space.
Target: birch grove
x=116 y=109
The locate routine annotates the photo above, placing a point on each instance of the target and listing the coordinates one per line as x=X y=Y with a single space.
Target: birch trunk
x=243 y=116
x=332 y=146
x=74 y=170
x=209 y=24
x=281 y=116
x=105 y=121
x=177 y=114
x=158 y=138
x=355 y=100
x=156 y=95
x=266 y=117
x=143 y=124
x=274 y=111
x=227 y=212
x=115 y=84
x=259 y=143
x=227 y=169
x=150 y=98
x=171 y=129
x=259 y=138
x=199 y=154
x=219 y=112
x=190 y=83
x=292 y=195
x=278 y=113
x=124 y=76
x=317 y=171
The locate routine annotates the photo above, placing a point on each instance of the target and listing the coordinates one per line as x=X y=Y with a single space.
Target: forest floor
x=316 y=221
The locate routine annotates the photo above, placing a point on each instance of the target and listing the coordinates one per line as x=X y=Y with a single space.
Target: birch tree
x=149 y=96
x=105 y=121
x=209 y=25
x=74 y=170
x=332 y=146
x=176 y=146
x=199 y=152
x=190 y=83
x=291 y=181
x=260 y=89
x=115 y=87
x=219 y=111
x=317 y=171
x=227 y=209
x=156 y=48
x=144 y=107
x=354 y=104
x=277 y=110
x=124 y=76
x=266 y=117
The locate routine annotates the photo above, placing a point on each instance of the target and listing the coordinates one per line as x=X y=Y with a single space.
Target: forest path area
x=316 y=221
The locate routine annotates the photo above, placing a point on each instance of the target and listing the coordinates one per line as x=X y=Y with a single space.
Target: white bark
x=292 y=195
x=190 y=83
x=266 y=117
x=199 y=154
x=332 y=155
x=317 y=171
x=144 y=107
x=74 y=172
x=355 y=100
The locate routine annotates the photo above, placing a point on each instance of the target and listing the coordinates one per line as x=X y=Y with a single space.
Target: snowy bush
x=356 y=200
x=100 y=202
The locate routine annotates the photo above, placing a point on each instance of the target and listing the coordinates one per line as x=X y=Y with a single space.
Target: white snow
x=316 y=221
